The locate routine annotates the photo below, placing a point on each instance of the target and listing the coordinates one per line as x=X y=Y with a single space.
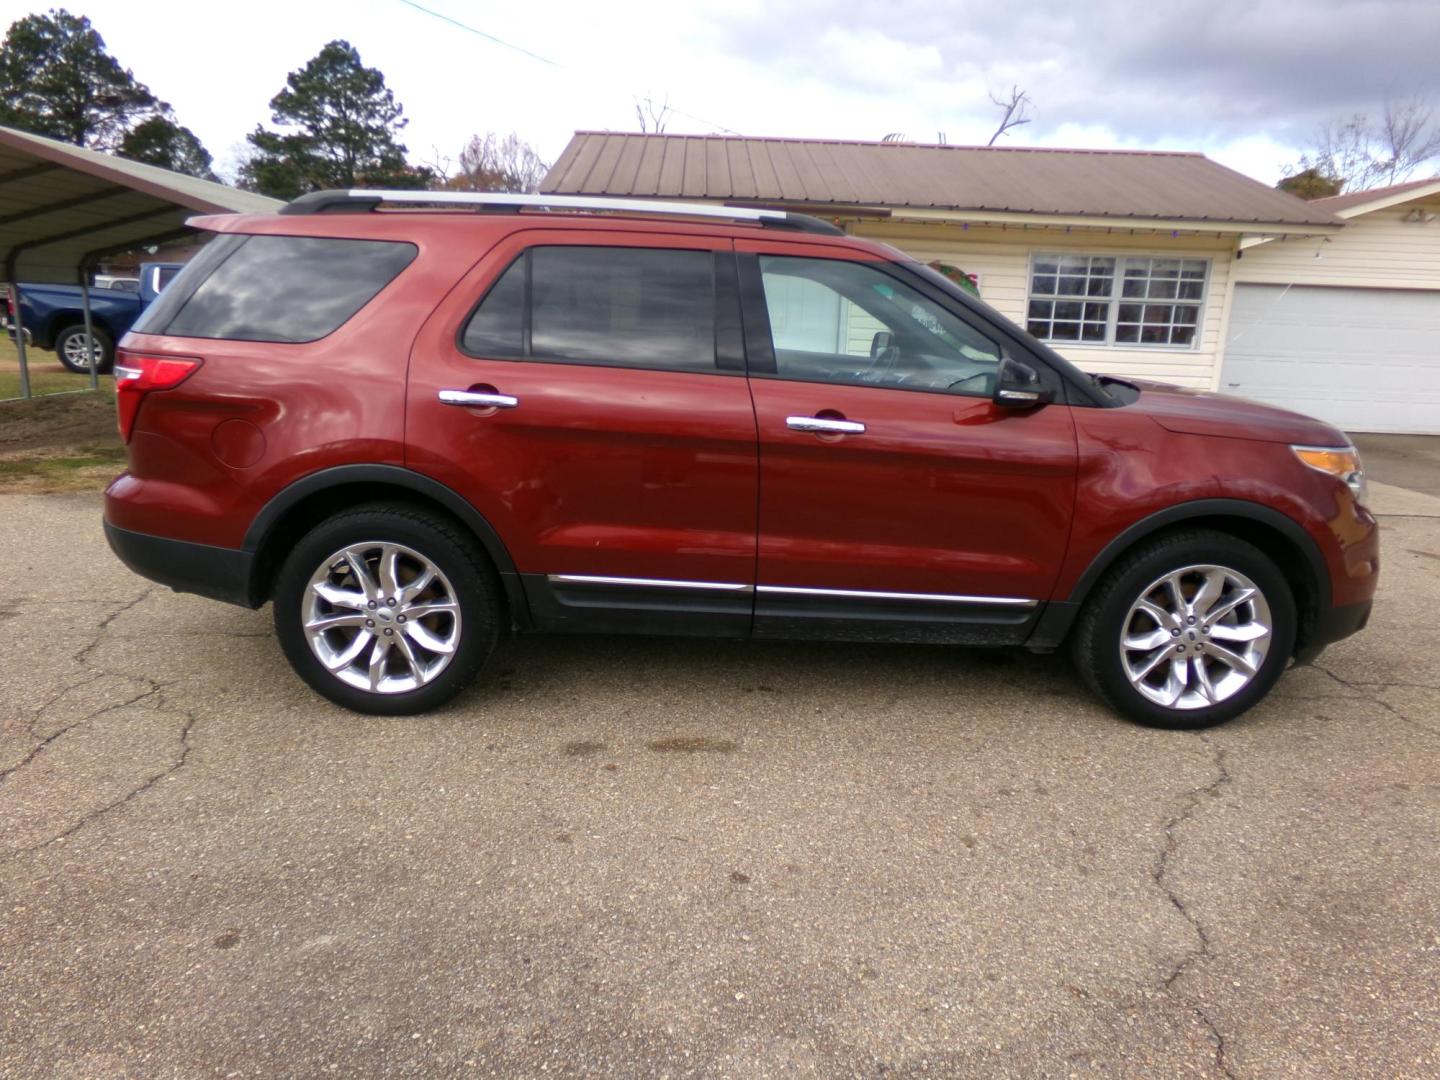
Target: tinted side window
x=498 y=326
x=621 y=306
x=839 y=321
x=157 y=316
x=277 y=288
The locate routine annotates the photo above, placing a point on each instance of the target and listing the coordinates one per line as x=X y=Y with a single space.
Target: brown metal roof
x=1163 y=186
x=1360 y=198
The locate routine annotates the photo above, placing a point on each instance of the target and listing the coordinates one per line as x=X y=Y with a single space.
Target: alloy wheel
x=75 y=351
x=1196 y=637
x=381 y=617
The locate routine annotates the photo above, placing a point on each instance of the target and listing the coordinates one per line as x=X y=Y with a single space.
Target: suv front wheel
x=387 y=609
x=1187 y=631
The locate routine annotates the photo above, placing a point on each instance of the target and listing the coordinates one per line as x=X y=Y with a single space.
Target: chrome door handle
x=478 y=401
x=824 y=426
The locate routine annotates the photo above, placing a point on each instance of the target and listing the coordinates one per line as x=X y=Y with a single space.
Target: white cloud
x=870 y=57
x=1178 y=76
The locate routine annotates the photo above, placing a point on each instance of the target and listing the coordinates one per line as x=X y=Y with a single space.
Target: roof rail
x=360 y=200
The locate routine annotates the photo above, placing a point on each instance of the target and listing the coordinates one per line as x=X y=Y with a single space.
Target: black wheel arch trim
x=1060 y=615
x=64 y=320
x=1205 y=508
x=397 y=476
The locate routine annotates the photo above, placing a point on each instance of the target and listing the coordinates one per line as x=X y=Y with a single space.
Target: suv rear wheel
x=387 y=609
x=1187 y=631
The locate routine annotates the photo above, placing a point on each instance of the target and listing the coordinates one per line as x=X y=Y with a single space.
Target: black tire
x=70 y=341
x=463 y=567
x=1096 y=644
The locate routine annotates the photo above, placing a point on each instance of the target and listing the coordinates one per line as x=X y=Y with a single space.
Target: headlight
x=1341 y=462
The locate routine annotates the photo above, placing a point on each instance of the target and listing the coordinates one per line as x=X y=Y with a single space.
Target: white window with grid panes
x=1117 y=300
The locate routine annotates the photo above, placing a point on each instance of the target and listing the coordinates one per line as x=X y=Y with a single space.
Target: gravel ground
x=631 y=857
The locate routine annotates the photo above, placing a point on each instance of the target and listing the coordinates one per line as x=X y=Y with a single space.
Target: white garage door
x=1362 y=359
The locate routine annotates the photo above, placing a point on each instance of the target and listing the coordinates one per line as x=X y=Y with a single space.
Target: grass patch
x=58 y=424
x=85 y=469
x=56 y=441
x=59 y=466
x=47 y=374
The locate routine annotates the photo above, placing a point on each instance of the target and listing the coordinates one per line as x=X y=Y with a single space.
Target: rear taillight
x=137 y=375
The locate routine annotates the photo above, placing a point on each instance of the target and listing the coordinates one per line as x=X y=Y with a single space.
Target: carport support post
x=89 y=330
x=19 y=321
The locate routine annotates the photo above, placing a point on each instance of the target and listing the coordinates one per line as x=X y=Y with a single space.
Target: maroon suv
x=416 y=420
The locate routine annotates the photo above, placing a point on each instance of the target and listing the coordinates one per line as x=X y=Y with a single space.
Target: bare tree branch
x=442 y=165
x=493 y=163
x=652 y=117
x=1016 y=111
x=1408 y=135
x=1359 y=152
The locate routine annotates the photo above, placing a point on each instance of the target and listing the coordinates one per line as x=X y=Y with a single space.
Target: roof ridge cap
x=1379 y=192
x=881 y=143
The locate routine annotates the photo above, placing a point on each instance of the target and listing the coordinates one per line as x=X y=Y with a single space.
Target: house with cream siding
x=1126 y=262
x=1346 y=326
x=1007 y=261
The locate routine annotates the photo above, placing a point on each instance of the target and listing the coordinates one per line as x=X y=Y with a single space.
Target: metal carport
x=62 y=207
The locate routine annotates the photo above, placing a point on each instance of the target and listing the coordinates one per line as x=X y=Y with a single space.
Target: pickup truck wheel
x=387 y=609
x=1187 y=631
x=70 y=347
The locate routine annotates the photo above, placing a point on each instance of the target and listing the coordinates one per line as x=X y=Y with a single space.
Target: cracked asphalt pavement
x=635 y=857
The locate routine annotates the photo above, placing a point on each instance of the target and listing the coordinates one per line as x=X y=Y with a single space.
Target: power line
x=481 y=33
x=551 y=63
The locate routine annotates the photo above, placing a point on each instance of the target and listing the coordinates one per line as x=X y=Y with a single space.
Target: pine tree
x=343 y=126
x=57 y=79
x=160 y=141
x=1311 y=183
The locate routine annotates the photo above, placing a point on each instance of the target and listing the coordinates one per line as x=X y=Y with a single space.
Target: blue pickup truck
x=54 y=319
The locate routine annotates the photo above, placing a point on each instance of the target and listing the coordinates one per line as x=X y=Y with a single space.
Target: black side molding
x=1053 y=626
x=581 y=607
x=880 y=619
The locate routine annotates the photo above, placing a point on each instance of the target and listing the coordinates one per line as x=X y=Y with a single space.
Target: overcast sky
x=1246 y=82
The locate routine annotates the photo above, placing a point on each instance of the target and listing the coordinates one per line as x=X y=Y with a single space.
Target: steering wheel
x=884 y=362
x=888 y=360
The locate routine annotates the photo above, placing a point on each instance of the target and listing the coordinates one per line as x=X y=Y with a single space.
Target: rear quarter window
x=615 y=306
x=289 y=289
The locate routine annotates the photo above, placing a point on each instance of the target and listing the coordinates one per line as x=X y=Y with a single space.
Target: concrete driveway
x=1410 y=461
x=661 y=858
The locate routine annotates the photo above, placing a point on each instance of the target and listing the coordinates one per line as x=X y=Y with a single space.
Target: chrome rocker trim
x=644 y=583
x=788 y=590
